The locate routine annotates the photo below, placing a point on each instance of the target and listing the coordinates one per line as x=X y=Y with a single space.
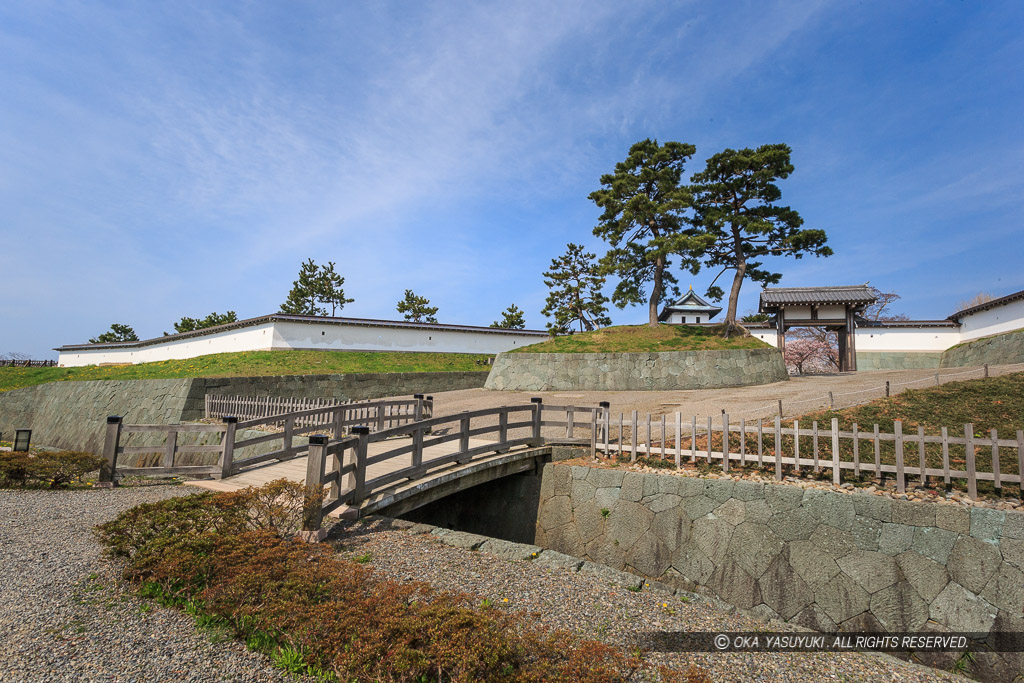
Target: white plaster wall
x=290 y=335
x=254 y=338
x=832 y=313
x=993 y=321
x=906 y=338
x=677 y=318
x=767 y=336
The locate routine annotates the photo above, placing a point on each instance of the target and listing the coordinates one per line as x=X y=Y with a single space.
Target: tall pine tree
x=305 y=292
x=575 y=298
x=417 y=309
x=736 y=209
x=512 y=318
x=645 y=223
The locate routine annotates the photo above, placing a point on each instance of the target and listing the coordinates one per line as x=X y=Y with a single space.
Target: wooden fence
x=13 y=363
x=381 y=415
x=395 y=411
x=912 y=457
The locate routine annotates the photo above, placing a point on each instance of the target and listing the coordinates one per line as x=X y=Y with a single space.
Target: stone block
x=815 y=566
x=672 y=527
x=693 y=566
x=734 y=585
x=589 y=520
x=1005 y=590
x=873 y=507
x=607 y=497
x=1013 y=551
x=871 y=570
x=627 y=523
x=554 y=512
x=650 y=556
x=605 y=478
x=866 y=532
x=793 y=525
x=719 y=490
x=508 y=550
x=561 y=480
x=933 y=542
x=612 y=576
x=926 y=576
x=973 y=562
x=581 y=491
x=749 y=490
x=464 y=540
x=632 y=487
x=711 y=536
x=895 y=538
x=732 y=511
x=958 y=609
x=913 y=514
x=833 y=509
x=783 y=496
x=815 y=618
x=899 y=608
x=841 y=597
x=753 y=547
x=698 y=506
x=1013 y=526
x=557 y=560
x=783 y=590
x=953 y=518
x=987 y=524
x=662 y=501
x=833 y=541
x=564 y=539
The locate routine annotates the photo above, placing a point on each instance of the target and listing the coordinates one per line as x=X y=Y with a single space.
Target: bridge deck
x=295 y=469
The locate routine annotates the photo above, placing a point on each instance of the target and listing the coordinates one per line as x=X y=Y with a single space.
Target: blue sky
x=159 y=160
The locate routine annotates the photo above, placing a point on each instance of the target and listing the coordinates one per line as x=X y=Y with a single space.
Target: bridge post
x=289 y=431
x=593 y=432
x=417 y=450
x=227 y=453
x=313 y=504
x=428 y=408
x=417 y=411
x=336 y=419
x=111 y=442
x=463 y=438
x=357 y=479
x=503 y=430
x=538 y=406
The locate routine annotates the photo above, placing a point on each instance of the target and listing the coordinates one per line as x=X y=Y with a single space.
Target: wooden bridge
x=401 y=462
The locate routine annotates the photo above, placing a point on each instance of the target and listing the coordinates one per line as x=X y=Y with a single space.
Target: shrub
x=219 y=557
x=56 y=469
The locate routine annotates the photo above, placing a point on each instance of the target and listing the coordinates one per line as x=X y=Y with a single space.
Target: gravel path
x=64 y=617
x=592 y=607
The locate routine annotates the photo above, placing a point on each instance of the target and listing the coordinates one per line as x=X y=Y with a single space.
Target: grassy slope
x=994 y=403
x=642 y=338
x=251 y=364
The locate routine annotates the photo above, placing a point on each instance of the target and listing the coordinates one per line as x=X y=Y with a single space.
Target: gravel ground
x=67 y=618
x=595 y=609
x=64 y=616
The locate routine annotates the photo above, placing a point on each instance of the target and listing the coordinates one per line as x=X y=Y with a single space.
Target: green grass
x=993 y=403
x=643 y=338
x=253 y=364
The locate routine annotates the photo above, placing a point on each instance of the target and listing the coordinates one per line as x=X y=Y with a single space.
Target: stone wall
x=73 y=414
x=636 y=371
x=898 y=360
x=1001 y=349
x=821 y=559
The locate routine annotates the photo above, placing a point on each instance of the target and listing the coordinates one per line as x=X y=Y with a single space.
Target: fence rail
x=14 y=363
x=338 y=418
x=263 y=409
x=909 y=457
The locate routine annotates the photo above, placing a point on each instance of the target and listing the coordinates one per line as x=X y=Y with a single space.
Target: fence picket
x=856 y=451
x=817 y=467
x=709 y=440
x=945 y=456
x=972 y=484
x=693 y=440
x=760 y=443
x=995 y=460
x=901 y=485
x=633 y=437
x=725 y=442
x=796 y=447
x=920 y=454
x=778 y=448
x=878 y=456
x=835 y=451
x=1020 y=459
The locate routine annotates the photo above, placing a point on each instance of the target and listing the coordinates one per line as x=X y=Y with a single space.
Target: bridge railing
x=337 y=418
x=342 y=464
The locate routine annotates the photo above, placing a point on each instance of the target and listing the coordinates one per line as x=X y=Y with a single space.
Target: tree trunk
x=734 y=298
x=659 y=269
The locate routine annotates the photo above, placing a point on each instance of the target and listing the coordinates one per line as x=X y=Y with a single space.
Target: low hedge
x=55 y=469
x=230 y=560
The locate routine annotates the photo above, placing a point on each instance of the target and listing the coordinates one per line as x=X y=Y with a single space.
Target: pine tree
x=512 y=318
x=645 y=223
x=330 y=291
x=734 y=200
x=417 y=309
x=575 y=297
x=189 y=324
x=306 y=292
x=117 y=333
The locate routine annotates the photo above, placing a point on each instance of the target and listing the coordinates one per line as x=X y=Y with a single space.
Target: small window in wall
x=684 y=319
x=698 y=320
x=322 y=333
